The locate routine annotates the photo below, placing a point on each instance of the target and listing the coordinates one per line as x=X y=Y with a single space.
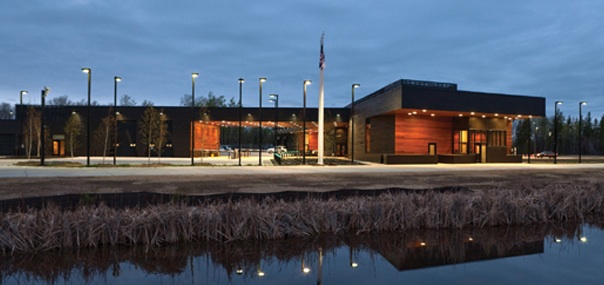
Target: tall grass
x=92 y=226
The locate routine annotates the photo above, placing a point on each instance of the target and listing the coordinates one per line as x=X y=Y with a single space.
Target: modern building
x=407 y=121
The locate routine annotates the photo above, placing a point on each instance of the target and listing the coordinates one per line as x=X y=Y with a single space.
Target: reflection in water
x=405 y=251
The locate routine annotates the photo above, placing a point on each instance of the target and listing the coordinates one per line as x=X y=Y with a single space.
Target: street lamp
x=193 y=76
x=89 y=72
x=354 y=86
x=241 y=80
x=275 y=99
x=556 y=130
x=116 y=79
x=306 y=82
x=43 y=97
x=580 y=127
x=261 y=80
x=21 y=115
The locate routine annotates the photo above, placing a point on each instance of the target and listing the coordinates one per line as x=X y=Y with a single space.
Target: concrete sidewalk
x=137 y=166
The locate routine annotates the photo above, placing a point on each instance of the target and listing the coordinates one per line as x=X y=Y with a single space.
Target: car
x=278 y=149
x=225 y=148
x=546 y=153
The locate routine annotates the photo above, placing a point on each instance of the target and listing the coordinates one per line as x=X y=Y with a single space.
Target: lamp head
x=356 y=85
x=241 y=80
x=194 y=75
x=262 y=79
x=23 y=92
x=117 y=79
x=583 y=103
x=307 y=82
x=46 y=90
x=559 y=102
x=86 y=70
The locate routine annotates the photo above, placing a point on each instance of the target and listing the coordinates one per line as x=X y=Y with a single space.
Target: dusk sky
x=550 y=48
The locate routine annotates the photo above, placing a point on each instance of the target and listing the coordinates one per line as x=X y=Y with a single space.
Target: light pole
x=306 y=82
x=116 y=79
x=261 y=80
x=556 y=131
x=580 y=127
x=354 y=86
x=21 y=115
x=89 y=72
x=241 y=80
x=275 y=99
x=528 y=147
x=43 y=97
x=193 y=76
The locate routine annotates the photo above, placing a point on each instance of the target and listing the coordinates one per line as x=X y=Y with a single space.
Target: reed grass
x=248 y=219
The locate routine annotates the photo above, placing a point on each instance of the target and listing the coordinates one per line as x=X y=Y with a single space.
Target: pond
x=540 y=254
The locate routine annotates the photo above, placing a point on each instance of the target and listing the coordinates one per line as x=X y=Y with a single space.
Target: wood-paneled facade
x=410 y=121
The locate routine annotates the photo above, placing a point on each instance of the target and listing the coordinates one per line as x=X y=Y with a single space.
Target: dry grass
x=92 y=226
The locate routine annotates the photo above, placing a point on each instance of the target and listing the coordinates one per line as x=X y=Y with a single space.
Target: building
x=408 y=121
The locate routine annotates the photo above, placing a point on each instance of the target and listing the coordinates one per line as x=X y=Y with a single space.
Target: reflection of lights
x=260 y=273
x=422 y=243
x=239 y=271
x=583 y=239
x=470 y=239
x=354 y=265
x=306 y=270
x=557 y=240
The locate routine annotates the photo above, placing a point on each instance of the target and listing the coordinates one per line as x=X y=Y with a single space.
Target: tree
x=6 y=111
x=210 y=101
x=61 y=101
x=32 y=130
x=162 y=135
x=104 y=133
x=149 y=129
x=147 y=103
x=72 y=130
x=126 y=100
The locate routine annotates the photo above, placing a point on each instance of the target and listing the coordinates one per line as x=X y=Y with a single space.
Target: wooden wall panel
x=207 y=137
x=413 y=133
x=508 y=139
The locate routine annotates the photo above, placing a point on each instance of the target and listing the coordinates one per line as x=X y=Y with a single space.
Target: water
x=563 y=254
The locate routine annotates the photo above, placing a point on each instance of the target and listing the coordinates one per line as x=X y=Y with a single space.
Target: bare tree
x=104 y=133
x=148 y=128
x=162 y=135
x=72 y=130
x=32 y=130
x=61 y=101
x=126 y=100
x=6 y=111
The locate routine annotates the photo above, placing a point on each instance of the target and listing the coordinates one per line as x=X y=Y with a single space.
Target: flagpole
x=321 y=106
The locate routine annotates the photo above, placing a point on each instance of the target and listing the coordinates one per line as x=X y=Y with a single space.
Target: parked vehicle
x=279 y=149
x=225 y=148
x=546 y=153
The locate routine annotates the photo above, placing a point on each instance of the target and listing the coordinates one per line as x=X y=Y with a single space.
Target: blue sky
x=542 y=48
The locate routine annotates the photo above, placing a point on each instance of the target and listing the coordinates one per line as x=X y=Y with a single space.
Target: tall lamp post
x=306 y=82
x=580 y=127
x=89 y=72
x=42 y=146
x=354 y=86
x=116 y=79
x=275 y=99
x=21 y=115
x=193 y=76
x=261 y=80
x=556 y=131
x=241 y=80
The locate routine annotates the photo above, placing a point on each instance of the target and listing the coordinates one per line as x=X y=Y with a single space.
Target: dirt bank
x=11 y=188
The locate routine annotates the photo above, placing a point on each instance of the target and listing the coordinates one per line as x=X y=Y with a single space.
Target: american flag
x=322 y=56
